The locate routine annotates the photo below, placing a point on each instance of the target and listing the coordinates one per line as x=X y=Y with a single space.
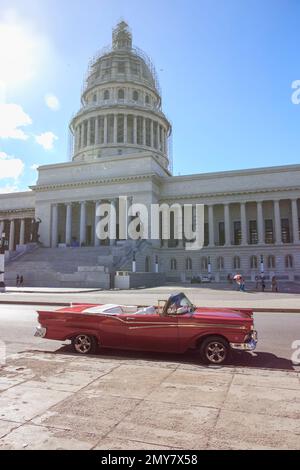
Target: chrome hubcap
x=83 y=344
x=216 y=352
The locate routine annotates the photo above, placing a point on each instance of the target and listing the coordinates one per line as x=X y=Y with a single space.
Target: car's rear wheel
x=214 y=350
x=84 y=344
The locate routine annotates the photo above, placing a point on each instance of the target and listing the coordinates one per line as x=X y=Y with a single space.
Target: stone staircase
x=71 y=267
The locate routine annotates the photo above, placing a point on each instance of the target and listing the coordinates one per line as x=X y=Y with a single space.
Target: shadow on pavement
x=263 y=360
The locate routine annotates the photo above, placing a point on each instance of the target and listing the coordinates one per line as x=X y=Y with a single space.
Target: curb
x=66 y=304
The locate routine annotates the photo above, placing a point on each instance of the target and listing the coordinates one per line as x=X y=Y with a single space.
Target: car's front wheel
x=214 y=350
x=84 y=344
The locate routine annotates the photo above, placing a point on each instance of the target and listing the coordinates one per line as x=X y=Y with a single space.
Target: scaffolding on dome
x=109 y=50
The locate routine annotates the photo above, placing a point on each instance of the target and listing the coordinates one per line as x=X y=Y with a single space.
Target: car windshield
x=180 y=304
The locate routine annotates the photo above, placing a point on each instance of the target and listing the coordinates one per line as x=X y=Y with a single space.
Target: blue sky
x=226 y=69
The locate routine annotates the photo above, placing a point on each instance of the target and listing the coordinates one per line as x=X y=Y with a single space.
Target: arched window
x=121 y=94
x=220 y=263
x=253 y=262
x=147 y=264
x=106 y=95
x=236 y=262
x=95 y=98
x=147 y=99
x=135 y=95
x=204 y=263
x=173 y=264
x=188 y=264
x=289 y=261
x=271 y=262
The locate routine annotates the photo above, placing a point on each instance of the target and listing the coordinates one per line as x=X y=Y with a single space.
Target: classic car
x=174 y=325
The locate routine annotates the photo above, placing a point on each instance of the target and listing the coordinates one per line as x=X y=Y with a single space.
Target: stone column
x=144 y=131
x=22 y=232
x=1 y=228
x=89 y=133
x=125 y=128
x=11 y=235
x=244 y=232
x=82 y=230
x=151 y=134
x=227 y=224
x=105 y=130
x=158 y=137
x=278 y=237
x=112 y=222
x=211 y=227
x=69 y=224
x=54 y=225
x=115 y=128
x=82 y=126
x=96 y=130
x=260 y=223
x=295 y=221
x=96 y=239
x=135 y=130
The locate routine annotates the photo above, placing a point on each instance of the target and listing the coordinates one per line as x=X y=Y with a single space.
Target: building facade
x=122 y=147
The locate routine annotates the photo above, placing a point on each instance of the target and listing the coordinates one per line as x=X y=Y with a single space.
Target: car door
x=152 y=332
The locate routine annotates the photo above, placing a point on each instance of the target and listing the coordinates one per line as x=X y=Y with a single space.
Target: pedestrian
x=263 y=284
x=242 y=284
x=257 y=282
x=18 y=280
x=21 y=281
x=274 y=284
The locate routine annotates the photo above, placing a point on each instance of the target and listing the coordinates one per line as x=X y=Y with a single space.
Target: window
x=120 y=128
x=110 y=128
x=135 y=95
x=253 y=232
x=121 y=67
x=140 y=130
x=206 y=234
x=236 y=262
x=173 y=264
x=221 y=233
x=130 y=129
x=148 y=132
x=285 y=231
x=121 y=94
x=147 y=99
x=253 y=262
x=289 y=262
x=269 y=233
x=271 y=262
x=92 y=131
x=106 y=95
x=188 y=264
x=134 y=66
x=204 y=263
x=147 y=264
x=95 y=98
x=220 y=263
x=237 y=233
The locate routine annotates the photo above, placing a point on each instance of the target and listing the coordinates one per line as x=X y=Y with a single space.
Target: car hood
x=224 y=313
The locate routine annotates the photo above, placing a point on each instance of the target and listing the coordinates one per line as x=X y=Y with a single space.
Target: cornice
x=96 y=182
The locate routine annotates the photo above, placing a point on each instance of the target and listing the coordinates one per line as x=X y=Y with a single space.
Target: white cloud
x=52 y=102
x=12 y=118
x=8 y=189
x=34 y=167
x=10 y=167
x=46 y=140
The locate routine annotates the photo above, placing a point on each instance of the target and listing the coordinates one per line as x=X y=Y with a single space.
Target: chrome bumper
x=249 y=345
x=40 y=332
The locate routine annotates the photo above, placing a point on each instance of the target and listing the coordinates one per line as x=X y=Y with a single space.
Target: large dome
x=121 y=111
x=121 y=62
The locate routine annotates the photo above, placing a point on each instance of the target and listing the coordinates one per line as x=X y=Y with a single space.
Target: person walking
x=274 y=284
x=18 y=280
x=21 y=284
x=263 y=284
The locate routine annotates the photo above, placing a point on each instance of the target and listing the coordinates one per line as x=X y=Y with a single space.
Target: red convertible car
x=174 y=325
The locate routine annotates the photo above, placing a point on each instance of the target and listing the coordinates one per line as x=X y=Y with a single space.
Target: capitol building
x=122 y=147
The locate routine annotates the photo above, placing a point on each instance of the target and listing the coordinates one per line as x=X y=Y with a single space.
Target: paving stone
x=22 y=403
x=266 y=400
x=235 y=430
x=271 y=380
x=6 y=383
x=166 y=424
x=30 y=437
x=130 y=381
x=199 y=388
x=6 y=427
x=88 y=413
x=126 y=444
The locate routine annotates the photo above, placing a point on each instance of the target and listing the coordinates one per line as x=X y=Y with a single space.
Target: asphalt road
x=277 y=332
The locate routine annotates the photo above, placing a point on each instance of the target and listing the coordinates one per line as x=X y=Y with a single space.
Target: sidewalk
x=63 y=401
x=200 y=296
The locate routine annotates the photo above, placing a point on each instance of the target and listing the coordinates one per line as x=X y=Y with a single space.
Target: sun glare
x=19 y=54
